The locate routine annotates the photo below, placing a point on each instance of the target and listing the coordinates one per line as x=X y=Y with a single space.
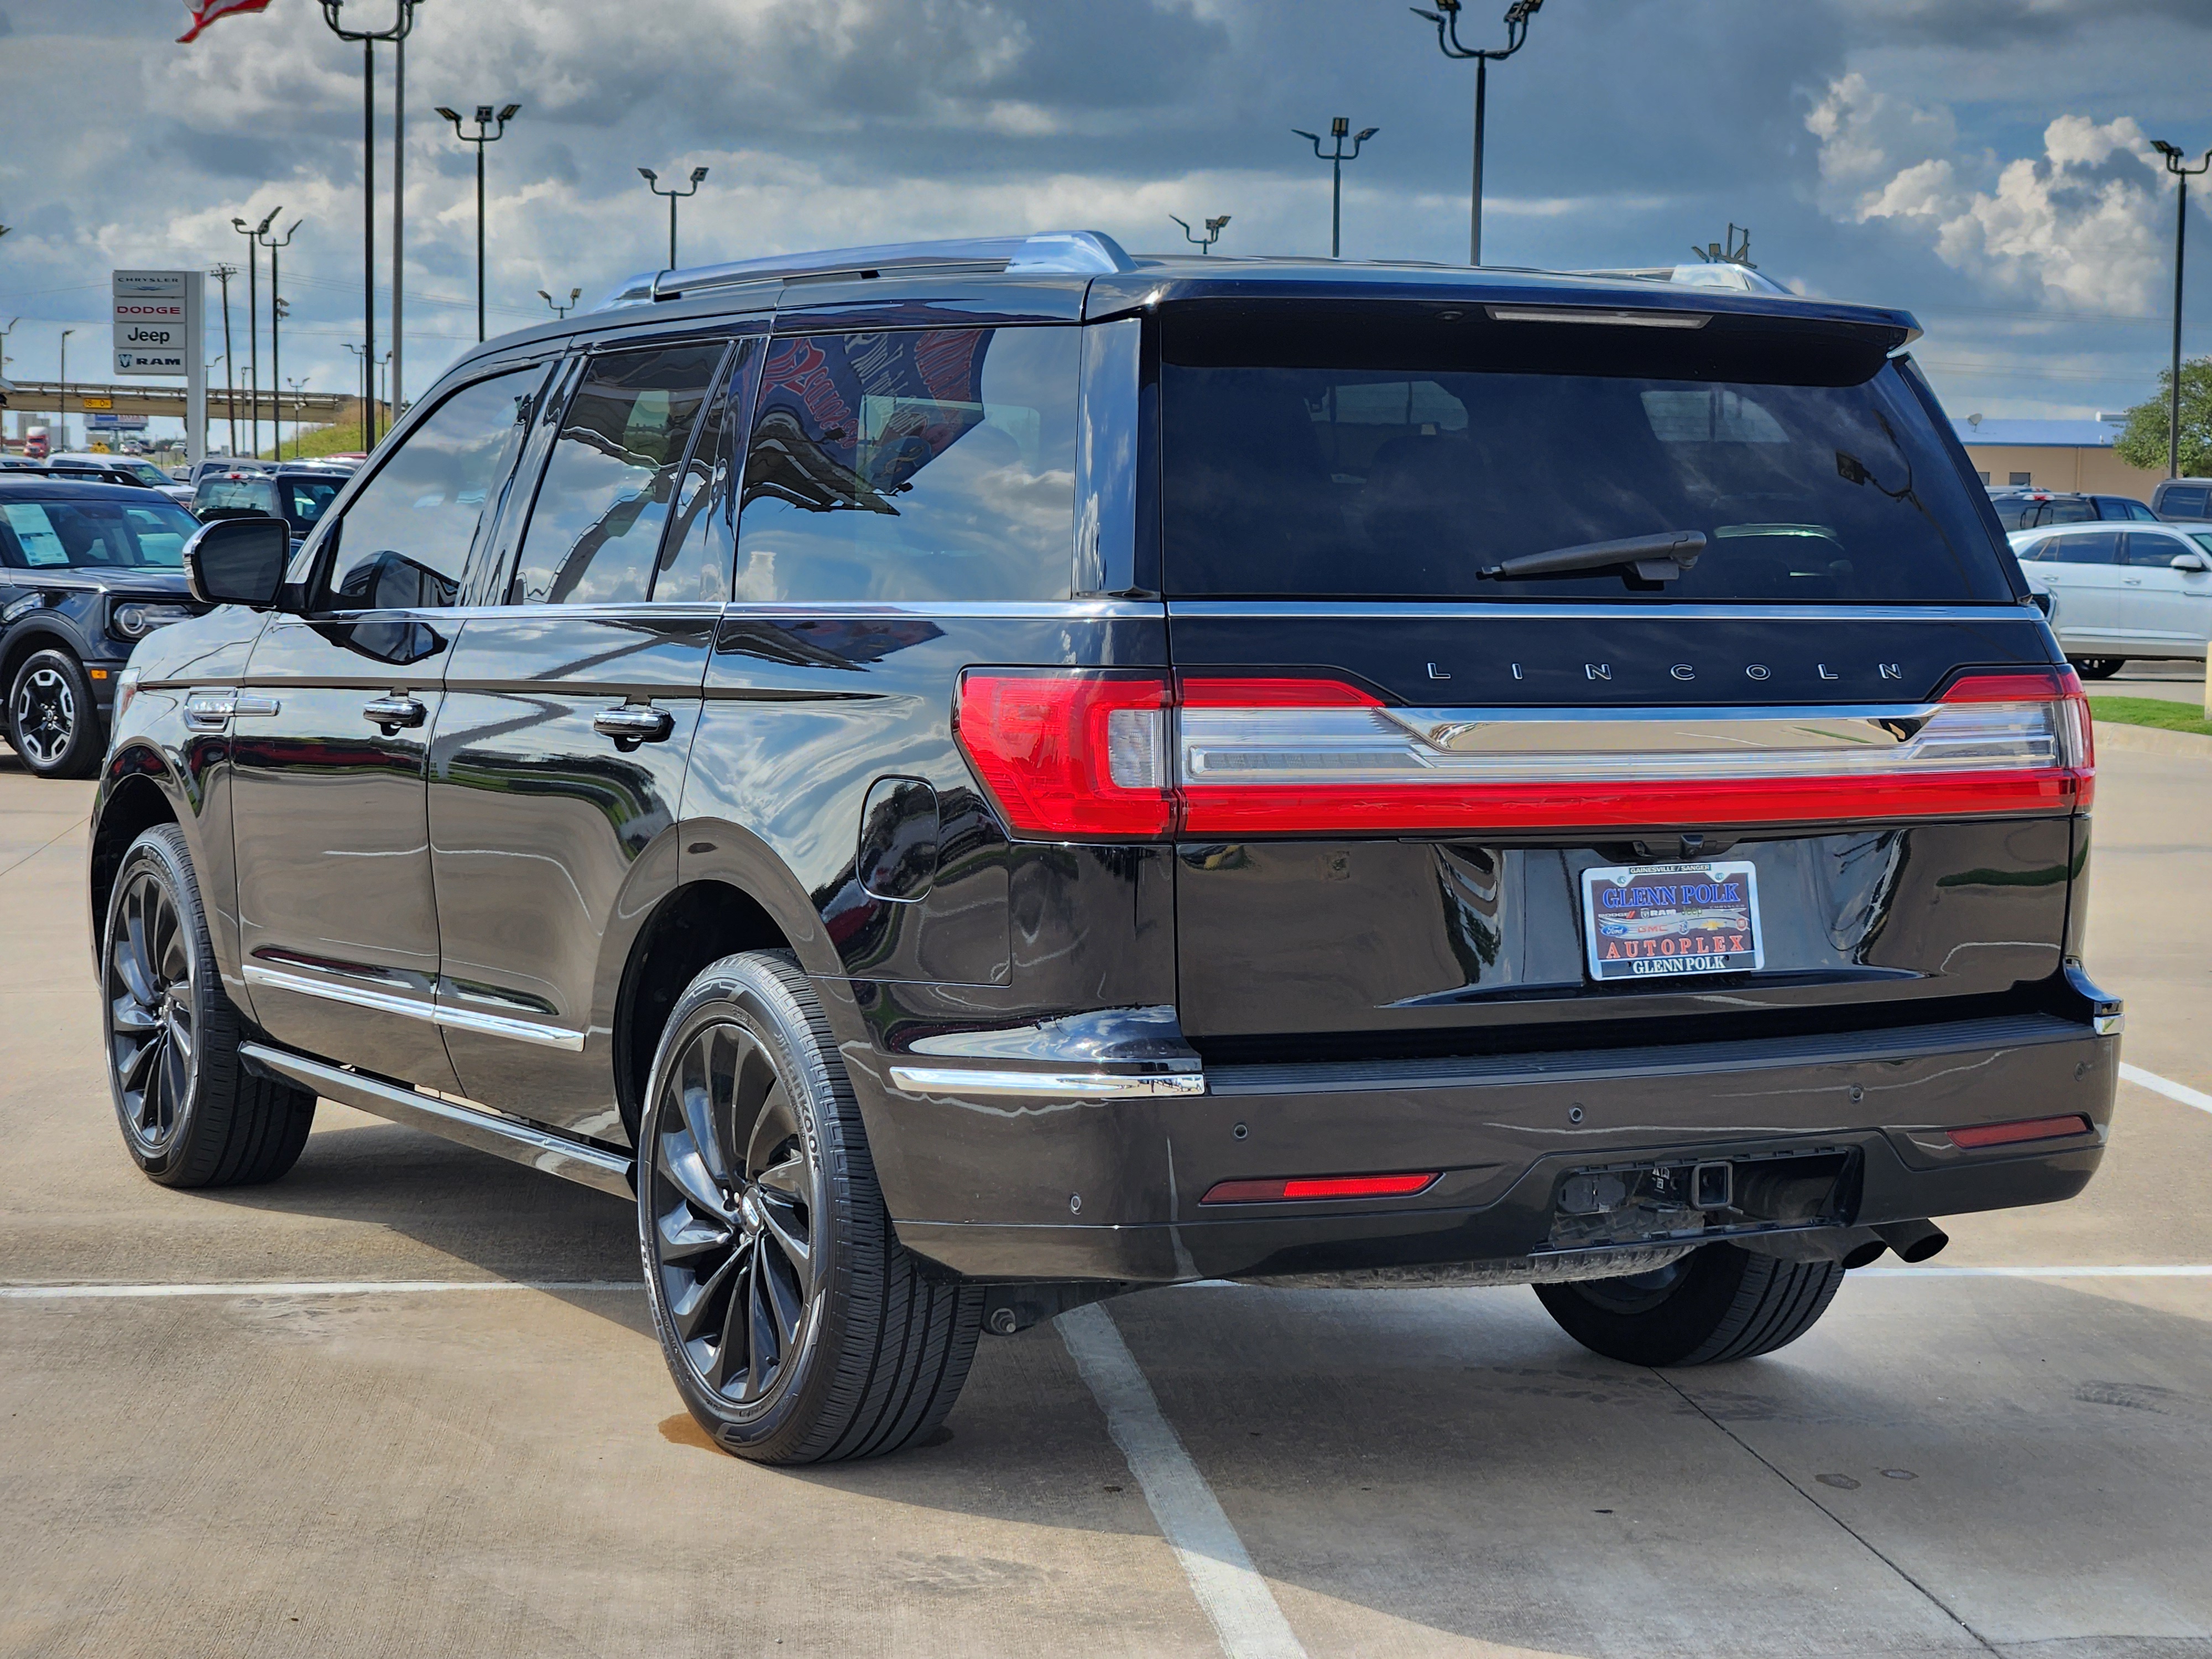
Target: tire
x=797 y=1328
x=191 y=1115
x=1716 y=1304
x=2097 y=668
x=52 y=722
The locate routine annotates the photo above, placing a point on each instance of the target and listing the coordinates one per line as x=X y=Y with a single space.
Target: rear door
x=2081 y=568
x=571 y=699
x=1417 y=777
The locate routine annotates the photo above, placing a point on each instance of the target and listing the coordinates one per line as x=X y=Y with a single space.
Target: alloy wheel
x=44 y=715
x=151 y=1030
x=733 y=1197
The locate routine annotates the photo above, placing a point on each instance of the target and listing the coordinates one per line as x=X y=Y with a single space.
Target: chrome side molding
x=458 y=1019
x=486 y=1131
x=1044 y=1086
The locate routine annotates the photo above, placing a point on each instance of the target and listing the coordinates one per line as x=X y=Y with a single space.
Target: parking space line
x=2166 y=1086
x=2193 y=1270
x=1228 y=1586
x=304 y=1287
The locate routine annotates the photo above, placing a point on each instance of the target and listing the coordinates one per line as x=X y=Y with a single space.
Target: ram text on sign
x=151 y=321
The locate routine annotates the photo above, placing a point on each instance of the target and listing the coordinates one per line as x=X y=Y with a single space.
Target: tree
x=2144 y=443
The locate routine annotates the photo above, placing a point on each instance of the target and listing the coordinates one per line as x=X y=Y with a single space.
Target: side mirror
x=239 y=562
x=2191 y=561
x=2040 y=600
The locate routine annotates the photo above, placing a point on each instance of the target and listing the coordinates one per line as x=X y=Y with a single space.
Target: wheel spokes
x=696 y=1309
x=731 y=1353
x=781 y=1221
x=685 y=1237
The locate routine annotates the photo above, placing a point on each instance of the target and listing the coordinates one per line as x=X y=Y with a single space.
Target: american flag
x=206 y=11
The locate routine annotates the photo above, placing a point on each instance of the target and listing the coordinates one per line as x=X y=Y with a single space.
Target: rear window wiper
x=1656 y=558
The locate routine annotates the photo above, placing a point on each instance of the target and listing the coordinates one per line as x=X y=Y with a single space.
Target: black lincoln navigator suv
x=970 y=778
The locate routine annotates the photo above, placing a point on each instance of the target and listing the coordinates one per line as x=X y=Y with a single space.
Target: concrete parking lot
x=476 y=1449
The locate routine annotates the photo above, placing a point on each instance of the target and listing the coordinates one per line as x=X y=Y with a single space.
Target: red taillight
x=1079 y=753
x=1298 y=1188
x=2029 y=1129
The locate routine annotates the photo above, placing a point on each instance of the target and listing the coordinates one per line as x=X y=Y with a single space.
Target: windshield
x=1386 y=479
x=304 y=499
x=97 y=535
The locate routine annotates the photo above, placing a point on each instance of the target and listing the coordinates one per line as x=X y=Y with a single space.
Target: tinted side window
x=2069 y=511
x=405 y=540
x=933 y=464
x=2149 y=547
x=2015 y=514
x=2090 y=547
x=594 y=533
x=695 y=563
x=2185 y=503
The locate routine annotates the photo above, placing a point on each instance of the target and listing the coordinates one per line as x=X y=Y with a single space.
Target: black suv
x=86 y=570
x=973 y=778
x=2028 y=509
x=297 y=496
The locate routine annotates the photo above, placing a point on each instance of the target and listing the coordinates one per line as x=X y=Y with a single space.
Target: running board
x=541 y=1149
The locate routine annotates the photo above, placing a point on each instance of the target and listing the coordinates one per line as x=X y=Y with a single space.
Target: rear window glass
x=1389 y=480
x=2185 y=503
x=95 y=535
x=237 y=495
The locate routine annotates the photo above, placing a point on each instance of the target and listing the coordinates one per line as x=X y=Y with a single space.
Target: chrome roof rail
x=1076 y=252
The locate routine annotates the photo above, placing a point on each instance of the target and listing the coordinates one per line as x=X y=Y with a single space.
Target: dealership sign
x=156 y=321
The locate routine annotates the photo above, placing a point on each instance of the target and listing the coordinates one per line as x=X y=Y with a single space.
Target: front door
x=2167 y=611
x=557 y=766
x=2081 y=569
x=339 y=925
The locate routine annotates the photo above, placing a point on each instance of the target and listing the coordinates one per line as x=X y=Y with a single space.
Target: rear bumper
x=1011 y=1190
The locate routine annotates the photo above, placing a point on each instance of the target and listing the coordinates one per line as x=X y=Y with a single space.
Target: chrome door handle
x=630 y=724
x=389 y=714
x=2131 y=581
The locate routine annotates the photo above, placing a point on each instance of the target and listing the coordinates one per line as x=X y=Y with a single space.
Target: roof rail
x=1081 y=253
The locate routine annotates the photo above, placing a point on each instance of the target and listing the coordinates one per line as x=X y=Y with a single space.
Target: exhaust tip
x=1865 y=1255
x=1913 y=1240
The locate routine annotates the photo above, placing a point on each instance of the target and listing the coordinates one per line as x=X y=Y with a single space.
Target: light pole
x=275 y=316
x=1446 y=18
x=64 y=399
x=361 y=386
x=652 y=184
x=299 y=405
x=1203 y=244
x=560 y=310
x=253 y=235
x=480 y=137
x=223 y=274
x=1337 y=128
x=2182 y=174
x=4 y=333
x=403 y=21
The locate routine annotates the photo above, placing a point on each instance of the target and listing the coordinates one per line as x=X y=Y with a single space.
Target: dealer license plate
x=1660 y=920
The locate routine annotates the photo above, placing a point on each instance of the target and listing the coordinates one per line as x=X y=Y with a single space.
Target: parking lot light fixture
x=2183 y=173
x=490 y=128
x=559 y=309
x=652 y=184
x=1203 y=244
x=61 y=397
x=1446 y=18
x=1336 y=157
x=253 y=234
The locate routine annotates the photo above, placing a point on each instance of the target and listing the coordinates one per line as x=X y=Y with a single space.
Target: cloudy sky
x=1984 y=162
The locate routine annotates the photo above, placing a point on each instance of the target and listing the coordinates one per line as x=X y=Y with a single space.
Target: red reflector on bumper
x=1298 y=1188
x=2030 y=1128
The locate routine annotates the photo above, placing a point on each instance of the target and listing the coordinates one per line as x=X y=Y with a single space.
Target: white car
x=2119 y=591
x=119 y=469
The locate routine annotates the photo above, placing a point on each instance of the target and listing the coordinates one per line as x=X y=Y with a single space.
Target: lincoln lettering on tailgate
x=1647 y=921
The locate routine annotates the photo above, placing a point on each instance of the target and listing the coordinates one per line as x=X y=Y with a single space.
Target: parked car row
x=90 y=564
x=2144 y=592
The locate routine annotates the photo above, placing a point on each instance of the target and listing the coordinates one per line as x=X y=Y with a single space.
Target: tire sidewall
x=82 y=749
x=744 y=992
x=157 y=850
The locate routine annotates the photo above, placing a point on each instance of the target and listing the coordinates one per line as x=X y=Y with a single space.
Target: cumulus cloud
x=2080 y=226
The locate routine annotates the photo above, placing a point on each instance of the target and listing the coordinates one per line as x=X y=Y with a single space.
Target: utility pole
x=652 y=184
x=1446 y=18
x=1203 y=244
x=2182 y=174
x=1339 y=155
x=223 y=274
x=483 y=134
x=275 y=316
x=4 y=333
x=403 y=21
x=63 y=398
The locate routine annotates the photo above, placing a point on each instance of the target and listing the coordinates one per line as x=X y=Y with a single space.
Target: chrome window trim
x=1060 y=1085
x=1507 y=611
x=461 y=1019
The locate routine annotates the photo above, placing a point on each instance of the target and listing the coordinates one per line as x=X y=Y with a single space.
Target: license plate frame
x=1656 y=911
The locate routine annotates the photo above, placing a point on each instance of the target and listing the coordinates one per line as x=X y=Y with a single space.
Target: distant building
x=2054 y=455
